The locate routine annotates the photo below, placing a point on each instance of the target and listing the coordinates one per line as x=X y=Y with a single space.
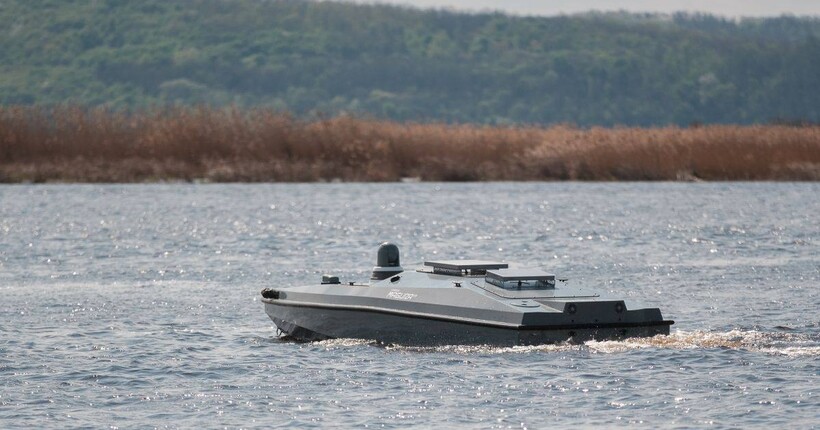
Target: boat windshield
x=518 y=279
x=523 y=284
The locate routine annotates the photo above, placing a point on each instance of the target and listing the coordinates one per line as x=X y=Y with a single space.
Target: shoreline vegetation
x=409 y=64
x=75 y=144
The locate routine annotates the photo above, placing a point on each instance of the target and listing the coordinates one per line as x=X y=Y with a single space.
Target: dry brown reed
x=73 y=144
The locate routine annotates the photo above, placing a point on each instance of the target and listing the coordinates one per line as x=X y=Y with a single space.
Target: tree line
x=317 y=59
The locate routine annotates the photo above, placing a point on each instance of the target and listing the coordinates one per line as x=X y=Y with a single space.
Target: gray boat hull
x=311 y=323
x=459 y=302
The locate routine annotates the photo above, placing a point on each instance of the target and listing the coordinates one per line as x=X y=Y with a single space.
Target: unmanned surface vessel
x=455 y=302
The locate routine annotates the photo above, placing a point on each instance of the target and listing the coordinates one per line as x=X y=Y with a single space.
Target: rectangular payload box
x=464 y=267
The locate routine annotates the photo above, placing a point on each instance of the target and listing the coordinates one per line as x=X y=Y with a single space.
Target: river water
x=138 y=305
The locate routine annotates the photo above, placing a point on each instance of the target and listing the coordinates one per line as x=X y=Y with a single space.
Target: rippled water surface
x=138 y=306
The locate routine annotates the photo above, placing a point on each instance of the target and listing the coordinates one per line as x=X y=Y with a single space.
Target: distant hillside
x=405 y=64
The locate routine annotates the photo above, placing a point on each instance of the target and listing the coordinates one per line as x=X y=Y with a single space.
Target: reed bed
x=74 y=144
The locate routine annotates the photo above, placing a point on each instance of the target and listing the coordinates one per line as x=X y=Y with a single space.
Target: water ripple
x=137 y=305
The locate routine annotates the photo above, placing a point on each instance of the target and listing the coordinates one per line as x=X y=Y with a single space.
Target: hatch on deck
x=521 y=279
x=464 y=267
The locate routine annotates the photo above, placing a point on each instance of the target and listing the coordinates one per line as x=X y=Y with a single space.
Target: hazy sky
x=732 y=8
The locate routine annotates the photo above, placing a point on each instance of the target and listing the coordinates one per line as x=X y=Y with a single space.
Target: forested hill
x=407 y=64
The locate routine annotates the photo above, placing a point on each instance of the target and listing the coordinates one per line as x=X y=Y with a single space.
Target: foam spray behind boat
x=387 y=262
